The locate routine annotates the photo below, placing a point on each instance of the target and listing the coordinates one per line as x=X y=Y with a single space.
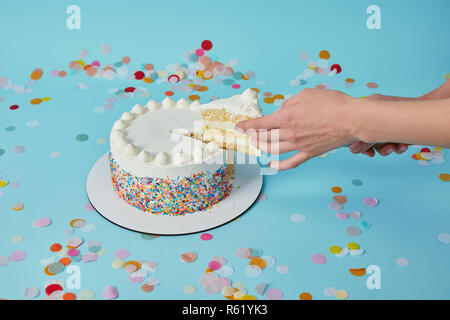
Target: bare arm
x=424 y=122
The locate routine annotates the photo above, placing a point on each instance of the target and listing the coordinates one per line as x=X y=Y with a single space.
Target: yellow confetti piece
x=18 y=206
x=46 y=99
x=353 y=246
x=3 y=183
x=118 y=264
x=341 y=294
x=335 y=249
x=248 y=297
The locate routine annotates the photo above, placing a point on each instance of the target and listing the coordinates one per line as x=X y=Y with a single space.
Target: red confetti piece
x=207 y=45
x=169 y=93
x=52 y=288
x=173 y=78
x=337 y=67
x=14 y=107
x=130 y=89
x=425 y=150
x=206 y=236
x=139 y=75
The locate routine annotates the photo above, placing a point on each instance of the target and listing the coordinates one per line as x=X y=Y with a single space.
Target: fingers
x=370 y=152
x=275 y=147
x=271 y=121
x=385 y=149
x=360 y=146
x=401 y=147
x=273 y=135
x=292 y=162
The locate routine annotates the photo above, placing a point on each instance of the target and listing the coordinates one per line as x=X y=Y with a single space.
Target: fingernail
x=355 y=148
x=389 y=151
x=403 y=148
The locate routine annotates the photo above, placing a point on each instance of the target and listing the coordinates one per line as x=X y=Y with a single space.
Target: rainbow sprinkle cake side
x=174 y=197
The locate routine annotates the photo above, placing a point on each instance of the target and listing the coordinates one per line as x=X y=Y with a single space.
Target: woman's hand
x=312 y=122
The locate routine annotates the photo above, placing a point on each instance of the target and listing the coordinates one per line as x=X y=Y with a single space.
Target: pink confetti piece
x=318 y=258
x=274 y=294
x=42 y=222
x=88 y=207
x=122 y=254
x=89 y=257
x=73 y=252
x=342 y=215
x=214 y=265
x=137 y=276
x=74 y=242
x=18 y=255
x=206 y=236
x=370 y=202
x=110 y=293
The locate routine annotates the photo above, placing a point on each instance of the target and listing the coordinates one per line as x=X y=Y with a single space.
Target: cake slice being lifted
x=220 y=116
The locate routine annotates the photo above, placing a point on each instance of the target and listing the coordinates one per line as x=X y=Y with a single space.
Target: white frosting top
x=153 y=140
x=245 y=104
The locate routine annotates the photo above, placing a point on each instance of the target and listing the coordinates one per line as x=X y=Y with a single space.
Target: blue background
x=407 y=57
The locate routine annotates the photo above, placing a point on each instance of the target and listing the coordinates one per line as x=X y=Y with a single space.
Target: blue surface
x=408 y=57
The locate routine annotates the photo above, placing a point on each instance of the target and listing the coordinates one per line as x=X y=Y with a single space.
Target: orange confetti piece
x=69 y=296
x=56 y=247
x=336 y=189
x=444 y=177
x=62 y=73
x=258 y=262
x=194 y=97
x=358 y=272
x=268 y=100
x=324 y=54
x=48 y=272
x=134 y=263
x=36 y=101
x=147 y=80
x=36 y=74
x=65 y=261
x=305 y=296
x=278 y=96
x=126 y=60
x=256 y=89
x=340 y=199
x=147 y=288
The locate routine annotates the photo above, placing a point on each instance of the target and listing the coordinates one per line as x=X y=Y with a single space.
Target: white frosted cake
x=177 y=158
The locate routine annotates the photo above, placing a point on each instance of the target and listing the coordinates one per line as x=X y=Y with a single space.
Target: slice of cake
x=221 y=116
x=167 y=158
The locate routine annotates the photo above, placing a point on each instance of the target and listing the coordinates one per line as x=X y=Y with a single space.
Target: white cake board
x=108 y=204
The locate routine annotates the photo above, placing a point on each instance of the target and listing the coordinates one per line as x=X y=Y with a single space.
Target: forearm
x=425 y=122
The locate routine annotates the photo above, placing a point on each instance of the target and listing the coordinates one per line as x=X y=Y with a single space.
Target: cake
x=176 y=158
